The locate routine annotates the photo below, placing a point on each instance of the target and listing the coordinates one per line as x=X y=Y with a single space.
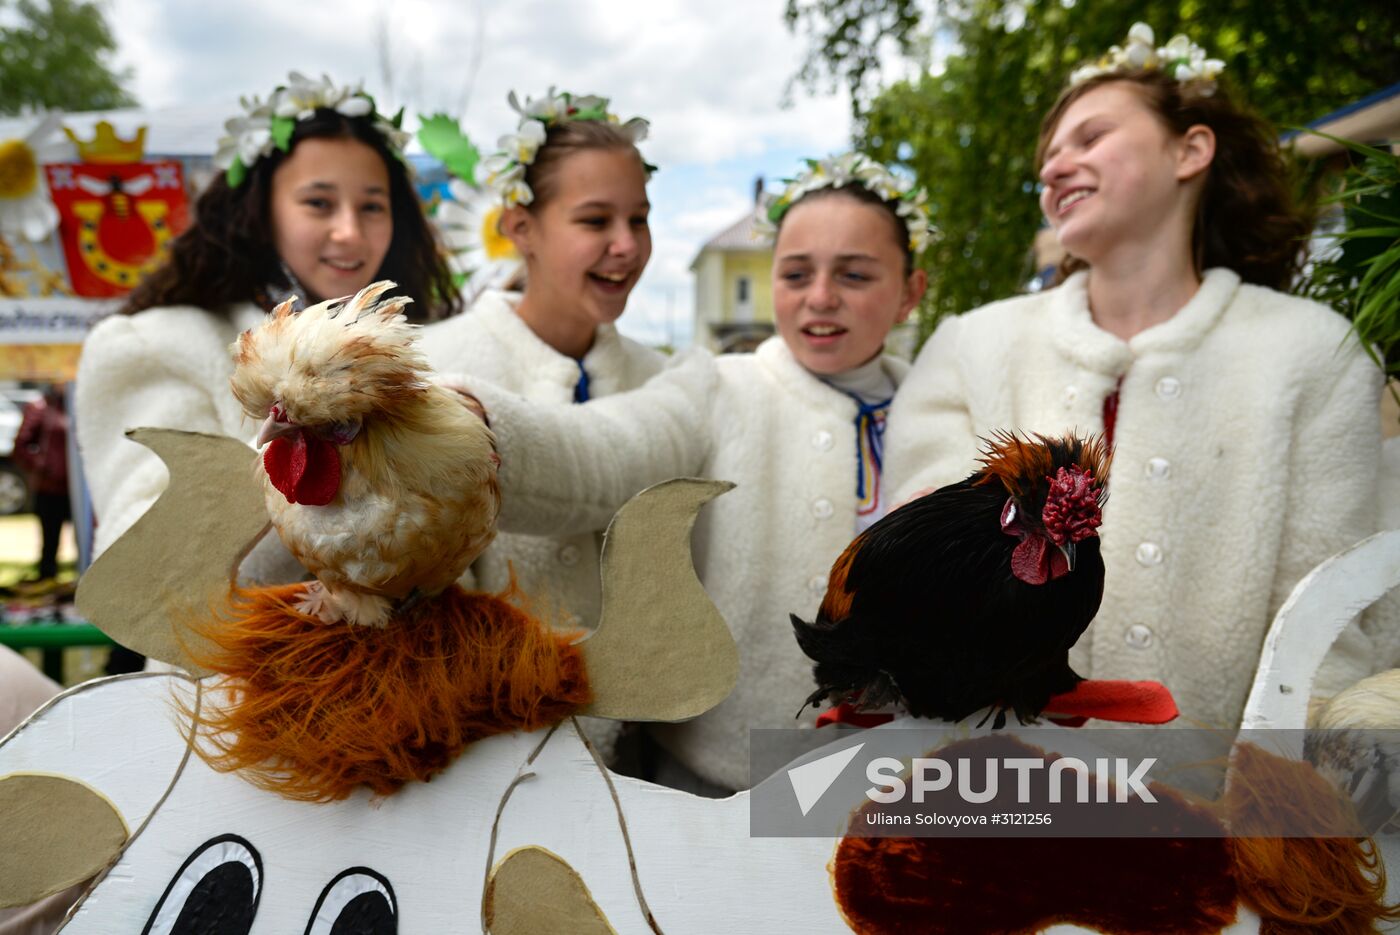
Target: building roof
x=739 y=237
x=1376 y=116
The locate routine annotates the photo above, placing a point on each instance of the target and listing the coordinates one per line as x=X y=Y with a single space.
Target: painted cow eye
x=357 y=902
x=215 y=891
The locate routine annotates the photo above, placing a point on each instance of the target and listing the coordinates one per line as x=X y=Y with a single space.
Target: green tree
x=55 y=55
x=967 y=127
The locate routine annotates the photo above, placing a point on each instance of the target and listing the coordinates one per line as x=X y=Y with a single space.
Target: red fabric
x=1110 y=413
x=41 y=447
x=1113 y=700
x=1105 y=699
x=845 y=714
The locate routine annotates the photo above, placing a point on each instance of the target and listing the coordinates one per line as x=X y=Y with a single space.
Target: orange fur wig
x=321 y=709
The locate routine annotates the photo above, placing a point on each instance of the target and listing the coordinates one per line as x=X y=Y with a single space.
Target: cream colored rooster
x=381 y=483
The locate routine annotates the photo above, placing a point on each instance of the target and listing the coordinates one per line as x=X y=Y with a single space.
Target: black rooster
x=972 y=595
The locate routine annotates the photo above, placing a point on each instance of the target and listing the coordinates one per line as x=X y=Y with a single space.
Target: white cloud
x=709 y=76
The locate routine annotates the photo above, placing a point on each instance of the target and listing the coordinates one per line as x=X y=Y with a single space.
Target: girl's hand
x=468 y=400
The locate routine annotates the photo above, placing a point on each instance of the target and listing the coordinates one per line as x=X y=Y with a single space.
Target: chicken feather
x=413 y=495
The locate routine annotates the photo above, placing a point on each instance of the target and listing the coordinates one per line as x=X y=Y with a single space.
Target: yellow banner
x=50 y=363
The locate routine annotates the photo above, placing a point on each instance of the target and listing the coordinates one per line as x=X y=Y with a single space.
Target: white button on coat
x=822 y=508
x=1158 y=468
x=1138 y=636
x=1149 y=554
x=1169 y=387
x=1071 y=394
x=823 y=440
x=569 y=555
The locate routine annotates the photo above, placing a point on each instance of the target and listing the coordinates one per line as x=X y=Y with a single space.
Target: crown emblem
x=106 y=148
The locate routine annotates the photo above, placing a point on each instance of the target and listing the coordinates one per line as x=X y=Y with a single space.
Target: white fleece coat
x=1246 y=451
x=764 y=550
x=491 y=341
x=160 y=368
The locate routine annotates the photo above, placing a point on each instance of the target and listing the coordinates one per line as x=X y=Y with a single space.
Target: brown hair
x=227 y=257
x=863 y=195
x=1247 y=219
x=561 y=141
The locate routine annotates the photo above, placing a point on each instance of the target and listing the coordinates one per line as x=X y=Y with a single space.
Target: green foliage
x=966 y=128
x=443 y=139
x=1359 y=275
x=55 y=57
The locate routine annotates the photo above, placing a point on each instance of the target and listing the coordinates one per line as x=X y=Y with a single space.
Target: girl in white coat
x=320 y=216
x=573 y=188
x=1243 y=419
x=797 y=425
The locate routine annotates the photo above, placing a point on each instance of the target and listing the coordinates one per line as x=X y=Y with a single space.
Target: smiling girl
x=1243 y=419
x=798 y=425
x=320 y=215
x=572 y=188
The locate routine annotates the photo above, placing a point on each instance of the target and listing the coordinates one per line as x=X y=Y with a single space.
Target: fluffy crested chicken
x=1356 y=745
x=381 y=483
x=972 y=595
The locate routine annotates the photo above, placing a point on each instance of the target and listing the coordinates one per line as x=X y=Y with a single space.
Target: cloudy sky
x=709 y=75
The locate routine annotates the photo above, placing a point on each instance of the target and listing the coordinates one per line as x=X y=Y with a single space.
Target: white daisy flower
x=522 y=145
x=852 y=168
x=1181 y=58
x=470 y=224
x=1142 y=33
x=248 y=137
x=25 y=207
x=545 y=109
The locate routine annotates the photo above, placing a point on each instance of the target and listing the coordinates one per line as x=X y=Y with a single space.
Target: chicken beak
x=272 y=428
x=1068 y=551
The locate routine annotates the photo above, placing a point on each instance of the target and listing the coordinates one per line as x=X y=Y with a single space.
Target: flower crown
x=1180 y=58
x=504 y=172
x=911 y=204
x=264 y=125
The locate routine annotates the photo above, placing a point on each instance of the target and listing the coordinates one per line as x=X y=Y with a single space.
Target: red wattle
x=1029 y=561
x=305 y=469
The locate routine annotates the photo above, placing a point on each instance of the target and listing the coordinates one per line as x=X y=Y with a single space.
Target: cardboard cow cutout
x=520 y=833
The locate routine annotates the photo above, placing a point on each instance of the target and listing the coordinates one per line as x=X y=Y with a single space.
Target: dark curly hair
x=227 y=255
x=1247 y=219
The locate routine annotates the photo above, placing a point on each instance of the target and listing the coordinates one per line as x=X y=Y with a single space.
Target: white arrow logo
x=811 y=780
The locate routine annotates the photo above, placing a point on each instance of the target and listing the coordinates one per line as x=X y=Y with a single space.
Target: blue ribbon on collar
x=870 y=442
x=581 y=394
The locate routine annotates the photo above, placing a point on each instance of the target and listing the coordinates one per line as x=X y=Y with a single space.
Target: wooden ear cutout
x=56 y=832
x=180 y=558
x=533 y=891
x=661 y=652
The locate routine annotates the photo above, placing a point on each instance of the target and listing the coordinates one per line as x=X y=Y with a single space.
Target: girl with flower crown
x=315 y=201
x=1243 y=419
x=797 y=425
x=570 y=194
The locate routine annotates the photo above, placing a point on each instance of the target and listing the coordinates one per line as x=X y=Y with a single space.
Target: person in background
x=1243 y=419
x=320 y=214
x=571 y=194
x=797 y=425
x=41 y=451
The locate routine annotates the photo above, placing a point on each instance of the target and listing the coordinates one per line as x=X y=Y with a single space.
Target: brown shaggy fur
x=322 y=709
x=1151 y=885
x=1333 y=885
